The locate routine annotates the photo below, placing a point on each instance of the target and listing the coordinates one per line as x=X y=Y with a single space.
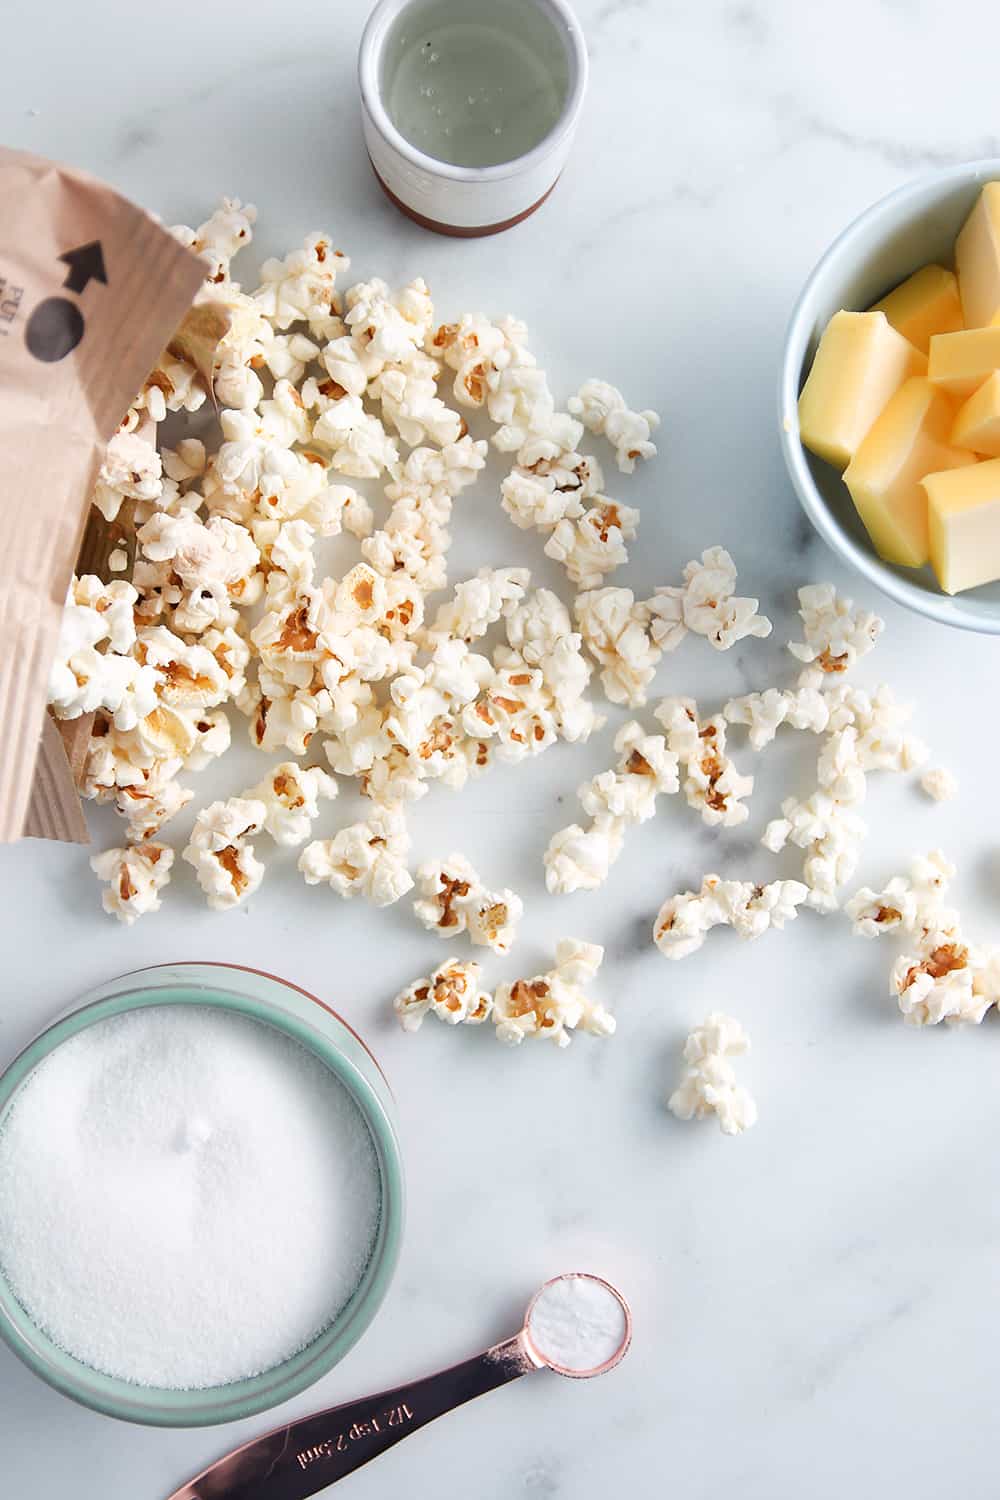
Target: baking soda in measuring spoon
x=475 y=92
x=187 y=1196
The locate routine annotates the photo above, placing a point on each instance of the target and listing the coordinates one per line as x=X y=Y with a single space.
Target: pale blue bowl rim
x=943 y=608
x=219 y=1404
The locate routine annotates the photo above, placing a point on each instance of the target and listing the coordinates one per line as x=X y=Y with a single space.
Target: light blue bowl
x=309 y=1021
x=914 y=225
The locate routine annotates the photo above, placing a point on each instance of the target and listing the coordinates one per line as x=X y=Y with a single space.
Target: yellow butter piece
x=861 y=361
x=963 y=512
x=960 y=362
x=977 y=423
x=926 y=302
x=909 y=439
x=977 y=259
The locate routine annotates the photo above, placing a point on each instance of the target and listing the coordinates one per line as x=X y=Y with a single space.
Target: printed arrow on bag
x=86 y=263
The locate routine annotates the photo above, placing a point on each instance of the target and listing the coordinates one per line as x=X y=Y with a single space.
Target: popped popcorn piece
x=291 y=796
x=684 y=921
x=602 y=409
x=553 y=1004
x=452 y=994
x=762 y=714
x=939 y=784
x=874 y=913
x=478 y=603
x=707 y=605
x=937 y=983
x=713 y=785
x=615 y=630
x=645 y=769
x=452 y=899
x=708 y=1083
x=837 y=635
x=579 y=859
x=134 y=877
x=366 y=859
x=117 y=560
x=830 y=832
x=593 y=545
x=220 y=855
x=130 y=470
x=548 y=484
x=151 y=801
x=302 y=287
x=92 y=669
x=227 y=229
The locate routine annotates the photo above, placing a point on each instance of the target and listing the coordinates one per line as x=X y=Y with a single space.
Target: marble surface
x=813 y=1303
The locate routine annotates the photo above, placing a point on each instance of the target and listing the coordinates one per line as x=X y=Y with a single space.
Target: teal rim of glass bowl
x=149 y=1405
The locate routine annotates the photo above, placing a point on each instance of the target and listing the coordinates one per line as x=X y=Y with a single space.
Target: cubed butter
x=977 y=423
x=909 y=439
x=977 y=259
x=861 y=361
x=959 y=363
x=963 y=512
x=926 y=302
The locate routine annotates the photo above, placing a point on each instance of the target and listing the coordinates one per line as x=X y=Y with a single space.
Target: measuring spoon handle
x=299 y=1460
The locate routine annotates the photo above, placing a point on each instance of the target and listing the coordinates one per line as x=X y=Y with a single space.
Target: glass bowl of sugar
x=202 y=1195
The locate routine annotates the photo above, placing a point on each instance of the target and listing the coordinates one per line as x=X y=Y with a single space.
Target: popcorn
x=706 y=605
x=712 y=785
x=291 y=796
x=151 y=801
x=453 y=900
x=301 y=288
x=220 y=855
x=684 y=920
x=594 y=545
x=552 y=1005
x=615 y=630
x=548 y=484
x=708 y=1084
x=130 y=470
x=360 y=446
x=936 y=983
x=83 y=678
x=451 y=993
x=410 y=402
x=134 y=879
x=646 y=768
x=836 y=634
x=579 y=859
x=874 y=913
x=939 y=784
x=366 y=859
x=223 y=233
x=762 y=714
x=478 y=603
x=602 y=409
x=830 y=832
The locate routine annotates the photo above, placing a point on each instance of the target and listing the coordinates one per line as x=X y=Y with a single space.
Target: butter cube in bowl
x=889 y=398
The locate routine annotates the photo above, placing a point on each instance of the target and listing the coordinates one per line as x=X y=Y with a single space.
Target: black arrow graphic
x=85 y=264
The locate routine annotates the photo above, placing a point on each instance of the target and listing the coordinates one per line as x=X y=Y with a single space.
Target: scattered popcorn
x=291 y=796
x=366 y=859
x=939 y=784
x=602 y=409
x=713 y=785
x=684 y=921
x=453 y=900
x=553 y=1004
x=706 y=605
x=708 y=1084
x=134 y=878
x=836 y=634
x=220 y=855
x=762 y=714
x=451 y=993
x=593 y=545
x=615 y=630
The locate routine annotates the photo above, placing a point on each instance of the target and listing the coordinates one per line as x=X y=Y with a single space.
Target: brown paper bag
x=91 y=290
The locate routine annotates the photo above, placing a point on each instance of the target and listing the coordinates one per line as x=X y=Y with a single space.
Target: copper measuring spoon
x=299 y=1460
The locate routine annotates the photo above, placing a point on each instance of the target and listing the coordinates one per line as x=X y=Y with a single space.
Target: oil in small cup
x=578 y=1325
x=475 y=83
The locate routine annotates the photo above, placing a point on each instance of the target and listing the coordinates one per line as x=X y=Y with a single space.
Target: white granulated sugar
x=189 y=1197
x=577 y=1323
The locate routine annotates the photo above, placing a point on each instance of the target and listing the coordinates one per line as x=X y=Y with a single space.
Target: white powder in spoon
x=577 y=1323
x=187 y=1197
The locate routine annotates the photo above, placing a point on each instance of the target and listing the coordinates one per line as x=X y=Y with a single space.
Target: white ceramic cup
x=459 y=200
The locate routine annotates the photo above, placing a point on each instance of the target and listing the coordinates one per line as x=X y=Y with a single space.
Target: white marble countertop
x=812 y=1304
